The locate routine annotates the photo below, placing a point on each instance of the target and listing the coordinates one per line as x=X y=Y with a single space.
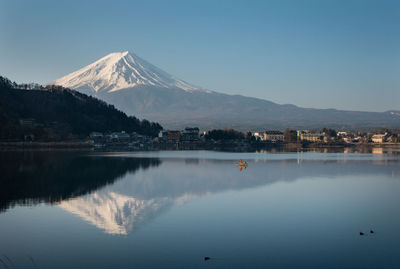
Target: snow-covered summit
x=121 y=70
x=117 y=213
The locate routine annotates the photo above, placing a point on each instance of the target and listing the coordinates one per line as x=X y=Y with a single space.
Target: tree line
x=61 y=113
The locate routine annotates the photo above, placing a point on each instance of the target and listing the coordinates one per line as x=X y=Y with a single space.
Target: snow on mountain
x=112 y=212
x=138 y=88
x=116 y=213
x=394 y=112
x=121 y=70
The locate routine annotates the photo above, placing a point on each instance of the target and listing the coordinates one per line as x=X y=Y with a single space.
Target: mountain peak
x=139 y=88
x=118 y=71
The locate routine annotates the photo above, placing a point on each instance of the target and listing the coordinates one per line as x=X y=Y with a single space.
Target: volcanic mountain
x=139 y=88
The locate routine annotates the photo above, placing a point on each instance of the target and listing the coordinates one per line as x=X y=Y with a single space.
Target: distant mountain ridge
x=139 y=88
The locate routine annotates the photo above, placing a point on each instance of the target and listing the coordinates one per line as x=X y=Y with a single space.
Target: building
x=121 y=137
x=347 y=139
x=174 y=136
x=163 y=135
x=258 y=135
x=273 y=136
x=27 y=123
x=313 y=137
x=379 y=138
x=394 y=138
x=29 y=137
x=96 y=137
x=190 y=134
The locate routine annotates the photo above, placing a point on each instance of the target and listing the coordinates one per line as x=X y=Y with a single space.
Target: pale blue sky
x=321 y=53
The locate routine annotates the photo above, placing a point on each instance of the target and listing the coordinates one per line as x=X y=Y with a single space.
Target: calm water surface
x=171 y=209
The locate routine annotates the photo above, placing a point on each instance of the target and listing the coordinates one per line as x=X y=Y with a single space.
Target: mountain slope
x=60 y=110
x=139 y=88
x=120 y=70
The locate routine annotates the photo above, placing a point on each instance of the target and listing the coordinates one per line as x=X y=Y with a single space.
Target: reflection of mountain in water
x=88 y=186
x=175 y=177
x=29 y=178
x=116 y=213
x=138 y=197
x=113 y=212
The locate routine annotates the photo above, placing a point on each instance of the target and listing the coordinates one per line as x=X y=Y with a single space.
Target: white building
x=259 y=135
x=379 y=138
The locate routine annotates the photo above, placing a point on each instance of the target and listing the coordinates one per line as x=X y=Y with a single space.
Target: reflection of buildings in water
x=116 y=213
x=104 y=192
x=192 y=161
x=377 y=150
x=134 y=200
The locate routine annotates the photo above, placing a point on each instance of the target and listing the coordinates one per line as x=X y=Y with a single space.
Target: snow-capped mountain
x=121 y=70
x=116 y=213
x=139 y=88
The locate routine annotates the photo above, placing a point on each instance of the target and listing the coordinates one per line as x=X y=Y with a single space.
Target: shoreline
x=65 y=145
x=82 y=145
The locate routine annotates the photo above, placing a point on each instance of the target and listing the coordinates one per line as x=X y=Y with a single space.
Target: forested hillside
x=57 y=113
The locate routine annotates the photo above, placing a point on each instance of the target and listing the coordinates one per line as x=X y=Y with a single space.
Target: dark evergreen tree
x=226 y=134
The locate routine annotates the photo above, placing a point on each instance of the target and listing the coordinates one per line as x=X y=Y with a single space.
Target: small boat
x=242 y=164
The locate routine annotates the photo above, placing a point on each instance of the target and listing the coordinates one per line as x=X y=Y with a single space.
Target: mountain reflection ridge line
x=116 y=213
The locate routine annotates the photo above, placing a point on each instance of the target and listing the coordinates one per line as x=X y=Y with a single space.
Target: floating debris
x=33 y=262
x=4 y=264
x=9 y=260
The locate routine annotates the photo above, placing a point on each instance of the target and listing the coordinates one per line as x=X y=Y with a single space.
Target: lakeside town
x=193 y=138
x=57 y=117
x=229 y=139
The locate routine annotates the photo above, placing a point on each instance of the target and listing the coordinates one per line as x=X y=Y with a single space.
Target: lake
x=170 y=209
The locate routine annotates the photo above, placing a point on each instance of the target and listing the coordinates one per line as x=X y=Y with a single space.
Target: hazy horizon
x=342 y=54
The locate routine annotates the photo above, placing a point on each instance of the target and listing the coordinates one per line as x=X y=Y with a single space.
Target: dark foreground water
x=171 y=209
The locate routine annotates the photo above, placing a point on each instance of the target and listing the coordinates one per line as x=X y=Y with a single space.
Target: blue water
x=172 y=209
